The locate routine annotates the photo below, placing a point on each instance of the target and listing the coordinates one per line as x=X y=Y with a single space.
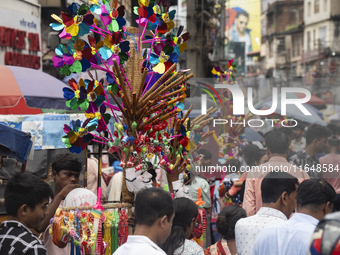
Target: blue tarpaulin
x=14 y=143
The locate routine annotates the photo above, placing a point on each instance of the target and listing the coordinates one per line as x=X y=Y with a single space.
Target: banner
x=243 y=25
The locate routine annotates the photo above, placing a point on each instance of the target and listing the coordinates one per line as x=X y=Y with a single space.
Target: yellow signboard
x=243 y=23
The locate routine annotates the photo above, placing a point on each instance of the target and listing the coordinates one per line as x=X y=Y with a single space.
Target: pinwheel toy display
x=144 y=82
x=231 y=137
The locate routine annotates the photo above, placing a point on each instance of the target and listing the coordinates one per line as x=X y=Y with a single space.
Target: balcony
x=313 y=55
x=283 y=58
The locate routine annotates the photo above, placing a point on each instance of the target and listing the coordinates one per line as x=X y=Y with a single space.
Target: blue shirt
x=291 y=237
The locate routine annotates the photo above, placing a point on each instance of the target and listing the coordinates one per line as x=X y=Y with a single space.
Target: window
x=337 y=28
x=271 y=48
x=314 y=40
x=281 y=46
x=296 y=45
x=309 y=9
x=316 y=6
x=308 y=41
x=270 y=19
x=324 y=5
x=322 y=37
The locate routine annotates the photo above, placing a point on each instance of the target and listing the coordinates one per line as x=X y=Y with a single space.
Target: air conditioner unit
x=53 y=40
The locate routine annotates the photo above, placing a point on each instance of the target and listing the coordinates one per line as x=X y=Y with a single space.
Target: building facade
x=321 y=48
x=20 y=33
x=283 y=40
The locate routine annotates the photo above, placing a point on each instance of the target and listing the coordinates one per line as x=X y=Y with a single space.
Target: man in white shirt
x=278 y=191
x=154 y=213
x=315 y=199
x=299 y=142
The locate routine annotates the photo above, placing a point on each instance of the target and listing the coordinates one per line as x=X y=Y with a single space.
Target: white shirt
x=289 y=237
x=139 y=245
x=298 y=146
x=247 y=229
x=199 y=182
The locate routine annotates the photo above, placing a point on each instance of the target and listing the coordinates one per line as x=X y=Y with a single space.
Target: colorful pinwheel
x=113 y=18
x=76 y=21
x=164 y=18
x=95 y=46
x=95 y=93
x=76 y=95
x=77 y=137
x=180 y=39
x=145 y=10
x=97 y=116
x=163 y=57
x=115 y=49
x=71 y=60
x=95 y=6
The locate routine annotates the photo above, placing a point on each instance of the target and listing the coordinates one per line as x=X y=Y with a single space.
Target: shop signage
x=16 y=39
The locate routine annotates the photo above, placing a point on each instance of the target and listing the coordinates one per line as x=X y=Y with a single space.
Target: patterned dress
x=189 y=248
x=219 y=248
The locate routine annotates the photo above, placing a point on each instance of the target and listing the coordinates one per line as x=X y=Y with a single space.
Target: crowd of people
x=282 y=206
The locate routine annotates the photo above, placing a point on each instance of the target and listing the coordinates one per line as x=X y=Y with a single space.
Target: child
x=66 y=169
x=26 y=201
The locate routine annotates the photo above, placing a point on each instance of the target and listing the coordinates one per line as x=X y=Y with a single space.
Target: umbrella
x=314 y=100
x=28 y=91
x=293 y=111
x=252 y=136
x=332 y=112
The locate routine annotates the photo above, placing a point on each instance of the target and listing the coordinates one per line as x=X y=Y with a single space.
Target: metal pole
x=100 y=151
x=85 y=178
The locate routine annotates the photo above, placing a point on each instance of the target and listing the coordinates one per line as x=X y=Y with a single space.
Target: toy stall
x=147 y=126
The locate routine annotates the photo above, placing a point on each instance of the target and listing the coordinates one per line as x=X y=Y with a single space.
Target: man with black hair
x=248 y=152
x=206 y=160
x=66 y=169
x=299 y=141
x=239 y=31
x=315 y=199
x=289 y=132
x=278 y=192
x=154 y=213
x=277 y=151
x=316 y=141
x=332 y=127
x=26 y=203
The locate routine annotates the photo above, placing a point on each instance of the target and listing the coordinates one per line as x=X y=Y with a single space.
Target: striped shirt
x=15 y=238
x=304 y=161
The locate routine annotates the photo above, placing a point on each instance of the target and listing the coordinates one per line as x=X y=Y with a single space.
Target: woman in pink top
x=331 y=163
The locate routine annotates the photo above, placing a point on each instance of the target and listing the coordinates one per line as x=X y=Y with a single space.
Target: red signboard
x=14 y=38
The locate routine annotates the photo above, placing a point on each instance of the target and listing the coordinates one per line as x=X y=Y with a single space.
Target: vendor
x=198 y=181
x=66 y=169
